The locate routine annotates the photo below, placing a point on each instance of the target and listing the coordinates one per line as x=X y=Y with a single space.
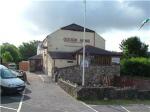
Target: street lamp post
x=83 y=71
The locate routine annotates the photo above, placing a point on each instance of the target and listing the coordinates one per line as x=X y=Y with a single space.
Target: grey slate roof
x=97 y=51
x=62 y=55
x=36 y=57
x=75 y=27
x=88 y=49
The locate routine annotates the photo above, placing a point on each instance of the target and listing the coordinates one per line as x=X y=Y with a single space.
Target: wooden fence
x=125 y=82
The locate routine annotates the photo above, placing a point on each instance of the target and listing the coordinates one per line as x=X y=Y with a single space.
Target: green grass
x=116 y=102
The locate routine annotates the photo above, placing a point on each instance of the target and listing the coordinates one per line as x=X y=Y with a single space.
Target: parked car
x=10 y=83
x=12 y=66
x=20 y=74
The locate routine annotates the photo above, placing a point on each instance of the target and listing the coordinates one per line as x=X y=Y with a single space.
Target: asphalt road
x=42 y=95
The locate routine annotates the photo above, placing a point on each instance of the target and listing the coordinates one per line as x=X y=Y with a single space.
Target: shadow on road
x=16 y=97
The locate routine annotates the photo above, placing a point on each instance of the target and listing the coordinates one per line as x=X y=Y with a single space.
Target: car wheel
x=1 y=91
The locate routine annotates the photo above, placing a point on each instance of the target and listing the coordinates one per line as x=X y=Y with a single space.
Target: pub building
x=64 y=48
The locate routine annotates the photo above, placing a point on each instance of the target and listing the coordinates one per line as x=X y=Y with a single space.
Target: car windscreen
x=6 y=74
x=16 y=73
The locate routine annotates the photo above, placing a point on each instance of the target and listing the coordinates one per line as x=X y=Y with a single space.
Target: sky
x=114 y=20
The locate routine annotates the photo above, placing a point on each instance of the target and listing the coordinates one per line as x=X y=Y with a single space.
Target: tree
x=133 y=47
x=11 y=51
x=6 y=56
x=28 y=50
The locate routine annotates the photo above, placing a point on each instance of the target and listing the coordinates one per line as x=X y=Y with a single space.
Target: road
x=42 y=95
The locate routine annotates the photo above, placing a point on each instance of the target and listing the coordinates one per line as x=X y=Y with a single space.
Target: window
x=6 y=74
x=70 y=61
x=101 y=60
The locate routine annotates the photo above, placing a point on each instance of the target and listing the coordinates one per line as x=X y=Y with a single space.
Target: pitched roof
x=62 y=55
x=97 y=51
x=75 y=27
x=36 y=57
x=88 y=49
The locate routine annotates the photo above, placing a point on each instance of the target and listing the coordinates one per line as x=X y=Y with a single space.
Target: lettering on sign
x=75 y=40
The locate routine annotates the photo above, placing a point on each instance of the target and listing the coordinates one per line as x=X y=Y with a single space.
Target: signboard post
x=85 y=63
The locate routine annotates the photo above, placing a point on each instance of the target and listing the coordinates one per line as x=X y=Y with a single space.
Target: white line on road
x=125 y=108
x=94 y=105
x=89 y=107
x=41 y=78
x=21 y=101
x=8 y=108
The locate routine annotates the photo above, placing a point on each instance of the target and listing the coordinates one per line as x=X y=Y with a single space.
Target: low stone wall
x=85 y=93
x=92 y=74
x=102 y=76
x=68 y=87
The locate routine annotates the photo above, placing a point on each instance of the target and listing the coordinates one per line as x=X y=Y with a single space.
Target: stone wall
x=85 y=93
x=93 y=74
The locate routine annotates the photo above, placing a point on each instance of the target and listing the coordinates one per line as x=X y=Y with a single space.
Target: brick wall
x=134 y=82
x=24 y=65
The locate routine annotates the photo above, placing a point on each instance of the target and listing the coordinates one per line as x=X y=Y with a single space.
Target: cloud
x=114 y=37
x=101 y=15
x=33 y=20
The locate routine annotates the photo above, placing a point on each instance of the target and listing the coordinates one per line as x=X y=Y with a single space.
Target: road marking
x=89 y=107
x=125 y=108
x=8 y=108
x=21 y=101
x=41 y=77
x=94 y=105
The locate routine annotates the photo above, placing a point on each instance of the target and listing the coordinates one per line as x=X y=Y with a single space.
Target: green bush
x=136 y=67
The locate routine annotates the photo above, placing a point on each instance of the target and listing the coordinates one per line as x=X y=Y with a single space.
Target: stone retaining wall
x=85 y=93
x=92 y=74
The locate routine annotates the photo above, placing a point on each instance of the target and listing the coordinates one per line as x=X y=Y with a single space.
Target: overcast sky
x=115 y=20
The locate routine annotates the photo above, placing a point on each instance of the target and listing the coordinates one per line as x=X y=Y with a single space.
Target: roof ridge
x=76 y=27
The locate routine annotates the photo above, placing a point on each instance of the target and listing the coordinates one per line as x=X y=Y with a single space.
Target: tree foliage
x=11 y=52
x=28 y=50
x=133 y=47
x=136 y=67
x=6 y=56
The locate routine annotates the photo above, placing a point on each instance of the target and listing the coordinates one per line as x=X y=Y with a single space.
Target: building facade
x=61 y=48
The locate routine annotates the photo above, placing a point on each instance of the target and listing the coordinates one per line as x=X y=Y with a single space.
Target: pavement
x=42 y=95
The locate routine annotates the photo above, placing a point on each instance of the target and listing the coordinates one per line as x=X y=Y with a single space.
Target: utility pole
x=83 y=74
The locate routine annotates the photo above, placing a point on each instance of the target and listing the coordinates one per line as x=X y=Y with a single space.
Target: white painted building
x=61 y=46
x=39 y=48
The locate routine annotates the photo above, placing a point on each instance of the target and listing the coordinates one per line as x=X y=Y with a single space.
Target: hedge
x=136 y=67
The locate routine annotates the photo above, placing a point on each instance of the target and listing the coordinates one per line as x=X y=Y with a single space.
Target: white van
x=9 y=82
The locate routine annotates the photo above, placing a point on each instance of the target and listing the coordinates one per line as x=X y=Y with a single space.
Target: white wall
x=50 y=65
x=99 y=41
x=60 y=63
x=45 y=62
x=56 y=40
x=39 y=49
